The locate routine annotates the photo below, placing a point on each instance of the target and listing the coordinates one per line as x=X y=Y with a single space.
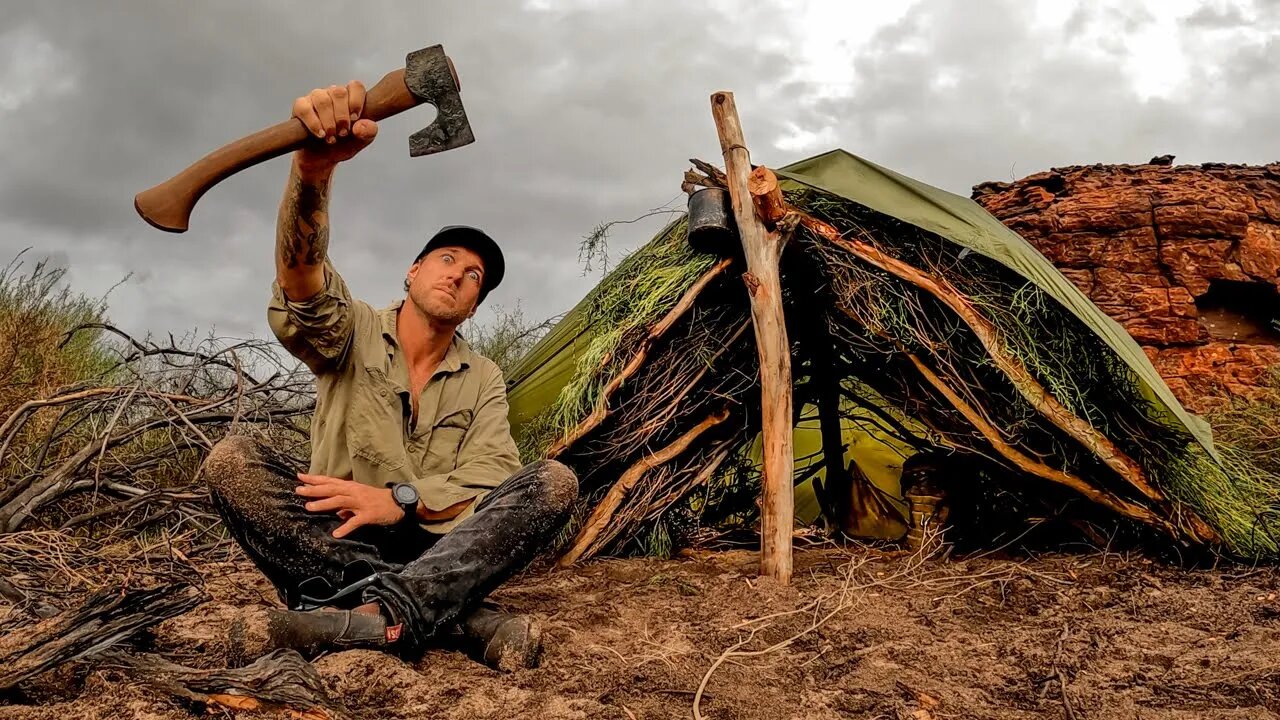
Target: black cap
x=477 y=241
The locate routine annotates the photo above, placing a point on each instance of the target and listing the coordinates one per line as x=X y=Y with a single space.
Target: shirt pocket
x=446 y=440
x=375 y=426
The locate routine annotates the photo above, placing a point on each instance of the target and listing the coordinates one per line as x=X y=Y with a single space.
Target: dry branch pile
x=98 y=486
x=102 y=515
x=124 y=452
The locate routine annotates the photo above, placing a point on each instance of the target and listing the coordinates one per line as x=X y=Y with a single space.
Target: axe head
x=430 y=76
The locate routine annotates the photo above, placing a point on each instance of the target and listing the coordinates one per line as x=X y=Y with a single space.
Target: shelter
x=921 y=327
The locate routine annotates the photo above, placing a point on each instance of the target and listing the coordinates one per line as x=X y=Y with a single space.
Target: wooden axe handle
x=168 y=205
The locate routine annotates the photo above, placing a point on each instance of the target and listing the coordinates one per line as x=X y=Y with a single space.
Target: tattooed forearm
x=302 y=235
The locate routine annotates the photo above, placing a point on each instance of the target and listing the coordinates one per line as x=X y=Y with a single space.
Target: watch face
x=405 y=494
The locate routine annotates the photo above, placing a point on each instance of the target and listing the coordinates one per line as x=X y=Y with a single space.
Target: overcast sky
x=584 y=111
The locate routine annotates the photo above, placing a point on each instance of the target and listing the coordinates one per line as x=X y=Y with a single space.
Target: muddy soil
x=860 y=633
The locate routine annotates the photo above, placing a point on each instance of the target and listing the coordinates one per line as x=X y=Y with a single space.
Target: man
x=415 y=505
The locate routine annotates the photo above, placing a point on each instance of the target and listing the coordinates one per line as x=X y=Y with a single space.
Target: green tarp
x=965 y=223
x=537 y=380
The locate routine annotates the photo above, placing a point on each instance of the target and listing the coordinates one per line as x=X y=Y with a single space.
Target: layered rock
x=1186 y=258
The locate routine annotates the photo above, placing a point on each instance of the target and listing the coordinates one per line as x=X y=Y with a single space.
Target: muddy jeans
x=425 y=581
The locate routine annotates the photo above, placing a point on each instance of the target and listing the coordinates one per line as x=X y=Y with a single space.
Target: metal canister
x=711 y=225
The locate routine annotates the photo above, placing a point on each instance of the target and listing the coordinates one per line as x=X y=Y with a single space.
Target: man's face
x=445 y=284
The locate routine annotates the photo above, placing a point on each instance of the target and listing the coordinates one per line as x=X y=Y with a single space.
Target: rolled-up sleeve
x=486 y=457
x=317 y=330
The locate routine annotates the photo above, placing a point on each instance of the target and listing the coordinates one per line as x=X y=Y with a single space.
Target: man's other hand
x=354 y=502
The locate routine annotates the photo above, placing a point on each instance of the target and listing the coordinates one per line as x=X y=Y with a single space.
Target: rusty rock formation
x=1185 y=257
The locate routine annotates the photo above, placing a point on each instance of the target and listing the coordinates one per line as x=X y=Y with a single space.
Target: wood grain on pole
x=762 y=250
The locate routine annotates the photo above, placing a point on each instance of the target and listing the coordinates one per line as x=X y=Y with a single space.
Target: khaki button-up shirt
x=461 y=446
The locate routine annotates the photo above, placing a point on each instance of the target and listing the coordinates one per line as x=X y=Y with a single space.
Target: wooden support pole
x=835 y=492
x=762 y=250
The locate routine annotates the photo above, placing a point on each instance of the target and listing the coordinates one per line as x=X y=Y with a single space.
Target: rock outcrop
x=1186 y=258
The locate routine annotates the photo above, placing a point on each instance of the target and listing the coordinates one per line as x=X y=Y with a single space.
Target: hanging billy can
x=711 y=225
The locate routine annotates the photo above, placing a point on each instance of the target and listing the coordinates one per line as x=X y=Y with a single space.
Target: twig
x=706 y=678
x=1062 y=680
x=1023 y=382
x=601 y=409
x=187 y=421
x=142 y=351
x=582 y=544
x=106 y=433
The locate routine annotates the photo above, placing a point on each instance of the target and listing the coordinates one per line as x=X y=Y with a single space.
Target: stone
x=1194 y=262
x=1199 y=221
x=1208 y=374
x=1102 y=211
x=1259 y=252
x=1131 y=249
x=1145 y=242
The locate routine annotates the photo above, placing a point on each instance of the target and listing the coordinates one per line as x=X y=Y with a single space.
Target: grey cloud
x=1017 y=106
x=1209 y=16
x=581 y=116
x=583 y=112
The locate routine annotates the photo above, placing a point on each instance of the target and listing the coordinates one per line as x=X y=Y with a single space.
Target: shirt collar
x=457 y=357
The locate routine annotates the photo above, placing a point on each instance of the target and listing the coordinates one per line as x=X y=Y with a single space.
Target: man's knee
x=226 y=466
x=559 y=484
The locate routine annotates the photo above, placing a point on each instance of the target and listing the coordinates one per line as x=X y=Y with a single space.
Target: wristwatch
x=406 y=496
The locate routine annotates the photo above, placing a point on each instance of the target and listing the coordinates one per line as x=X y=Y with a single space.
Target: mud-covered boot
x=504 y=641
x=311 y=632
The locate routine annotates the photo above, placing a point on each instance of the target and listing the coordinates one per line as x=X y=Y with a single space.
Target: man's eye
x=446 y=257
x=474 y=275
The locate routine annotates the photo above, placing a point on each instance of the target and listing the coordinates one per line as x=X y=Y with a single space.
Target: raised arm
x=302 y=231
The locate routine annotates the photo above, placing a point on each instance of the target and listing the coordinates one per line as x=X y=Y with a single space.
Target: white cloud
x=799 y=140
x=31 y=68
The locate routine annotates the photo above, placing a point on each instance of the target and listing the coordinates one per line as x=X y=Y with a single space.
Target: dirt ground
x=861 y=633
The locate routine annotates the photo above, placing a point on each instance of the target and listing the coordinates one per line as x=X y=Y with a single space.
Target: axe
x=427 y=76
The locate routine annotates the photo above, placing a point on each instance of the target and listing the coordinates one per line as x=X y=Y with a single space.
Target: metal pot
x=711 y=225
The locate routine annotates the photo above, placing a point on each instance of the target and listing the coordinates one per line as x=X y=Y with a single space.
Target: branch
x=280 y=680
x=141 y=350
x=582 y=544
x=601 y=410
x=1027 y=464
x=1021 y=379
x=713 y=173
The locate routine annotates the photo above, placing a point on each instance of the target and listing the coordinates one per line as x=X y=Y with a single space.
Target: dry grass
x=1251 y=424
x=37 y=310
x=101 y=436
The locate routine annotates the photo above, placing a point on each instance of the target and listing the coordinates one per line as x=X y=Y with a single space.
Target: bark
x=762 y=250
x=99 y=623
x=583 y=544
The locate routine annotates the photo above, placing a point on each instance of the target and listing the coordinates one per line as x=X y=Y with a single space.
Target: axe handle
x=168 y=205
